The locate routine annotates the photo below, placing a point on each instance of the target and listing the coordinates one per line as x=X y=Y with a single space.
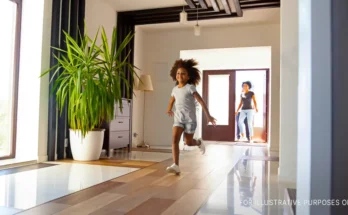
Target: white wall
x=98 y=13
x=163 y=48
x=288 y=91
x=228 y=58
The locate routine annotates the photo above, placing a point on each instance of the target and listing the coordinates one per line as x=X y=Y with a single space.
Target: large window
x=10 y=25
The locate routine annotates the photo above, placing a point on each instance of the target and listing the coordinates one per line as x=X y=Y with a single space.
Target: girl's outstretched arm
x=205 y=109
x=170 y=106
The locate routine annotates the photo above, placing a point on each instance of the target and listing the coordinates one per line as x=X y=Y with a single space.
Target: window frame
x=15 y=80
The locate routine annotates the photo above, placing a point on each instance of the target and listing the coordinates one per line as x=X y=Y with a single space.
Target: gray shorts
x=189 y=127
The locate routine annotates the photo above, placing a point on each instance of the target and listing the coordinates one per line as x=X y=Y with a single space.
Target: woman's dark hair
x=190 y=66
x=247 y=83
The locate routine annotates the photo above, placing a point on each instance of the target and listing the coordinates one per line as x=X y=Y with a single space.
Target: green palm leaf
x=90 y=77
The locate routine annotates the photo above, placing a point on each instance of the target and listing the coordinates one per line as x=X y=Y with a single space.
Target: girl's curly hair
x=190 y=66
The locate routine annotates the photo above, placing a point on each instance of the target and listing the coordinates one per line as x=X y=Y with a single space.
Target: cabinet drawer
x=125 y=110
x=120 y=124
x=118 y=139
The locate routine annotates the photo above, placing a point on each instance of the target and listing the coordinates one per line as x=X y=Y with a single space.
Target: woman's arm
x=170 y=106
x=239 y=106
x=255 y=104
x=205 y=109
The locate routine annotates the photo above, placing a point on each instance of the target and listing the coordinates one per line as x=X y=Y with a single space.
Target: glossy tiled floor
x=250 y=188
x=27 y=189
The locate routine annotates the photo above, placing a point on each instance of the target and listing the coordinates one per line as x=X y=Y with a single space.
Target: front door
x=219 y=95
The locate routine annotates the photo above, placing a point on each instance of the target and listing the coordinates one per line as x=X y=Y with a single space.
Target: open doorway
x=259 y=86
x=222 y=93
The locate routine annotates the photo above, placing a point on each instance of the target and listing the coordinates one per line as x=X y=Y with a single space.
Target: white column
x=314 y=105
x=44 y=85
x=288 y=90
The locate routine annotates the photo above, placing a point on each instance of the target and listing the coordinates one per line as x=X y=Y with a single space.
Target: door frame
x=205 y=90
x=267 y=98
x=207 y=130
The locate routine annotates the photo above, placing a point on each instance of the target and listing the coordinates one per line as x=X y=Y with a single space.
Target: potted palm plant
x=90 y=76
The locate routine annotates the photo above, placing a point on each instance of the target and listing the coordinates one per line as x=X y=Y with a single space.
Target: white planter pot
x=86 y=148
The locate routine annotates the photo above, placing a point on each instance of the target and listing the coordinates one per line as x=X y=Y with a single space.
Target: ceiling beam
x=238 y=8
x=189 y=18
x=154 y=12
x=226 y=6
x=273 y=5
x=203 y=4
x=191 y=3
x=215 y=5
x=201 y=13
x=257 y=2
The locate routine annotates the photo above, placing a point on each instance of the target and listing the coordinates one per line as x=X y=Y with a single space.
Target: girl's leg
x=177 y=132
x=241 y=122
x=190 y=141
x=250 y=118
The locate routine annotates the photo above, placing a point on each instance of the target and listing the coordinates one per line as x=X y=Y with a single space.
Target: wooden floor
x=114 y=162
x=152 y=150
x=151 y=190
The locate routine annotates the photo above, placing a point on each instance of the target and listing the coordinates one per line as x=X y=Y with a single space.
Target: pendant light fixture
x=183 y=16
x=197 y=28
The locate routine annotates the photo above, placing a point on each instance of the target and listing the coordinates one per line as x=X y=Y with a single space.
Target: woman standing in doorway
x=247 y=111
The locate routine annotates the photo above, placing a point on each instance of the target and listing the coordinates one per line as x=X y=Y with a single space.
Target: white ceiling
x=255 y=16
x=250 y=17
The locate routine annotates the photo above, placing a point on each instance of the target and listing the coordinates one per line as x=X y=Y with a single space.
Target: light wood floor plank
x=153 y=206
x=112 y=162
x=201 y=172
x=45 y=209
x=178 y=189
x=169 y=179
x=134 y=186
x=88 y=193
x=92 y=204
x=131 y=201
x=133 y=176
x=188 y=204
